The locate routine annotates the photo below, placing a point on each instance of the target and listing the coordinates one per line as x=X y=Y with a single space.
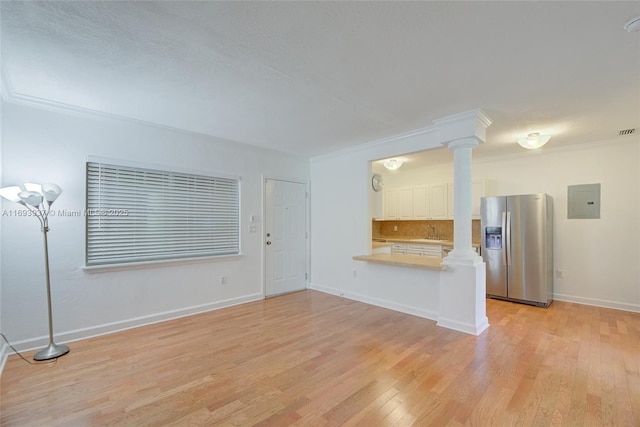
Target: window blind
x=136 y=215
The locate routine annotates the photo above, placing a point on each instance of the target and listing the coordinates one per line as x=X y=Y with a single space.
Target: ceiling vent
x=627 y=132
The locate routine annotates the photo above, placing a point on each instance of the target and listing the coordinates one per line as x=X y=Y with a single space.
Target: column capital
x=470 y=124
x=470 y=142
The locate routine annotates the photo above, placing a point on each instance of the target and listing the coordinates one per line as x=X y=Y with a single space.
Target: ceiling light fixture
x=633 y=26
x=534 y=140
x=393 y=164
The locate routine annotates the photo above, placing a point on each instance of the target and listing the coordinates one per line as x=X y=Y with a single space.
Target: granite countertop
x=406 y=260
x=375 y=245
x=403 y=260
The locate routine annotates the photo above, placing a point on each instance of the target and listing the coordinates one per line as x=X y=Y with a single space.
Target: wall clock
x=376 y=182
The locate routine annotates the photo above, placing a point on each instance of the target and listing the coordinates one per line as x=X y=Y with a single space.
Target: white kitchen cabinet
x=398 y=203
x=399 y=248
x=406 y=203
x=391 y=208
x=427 y=201
x=431 y=251
x=421 y=202
x=478 y=190
x=438 y=201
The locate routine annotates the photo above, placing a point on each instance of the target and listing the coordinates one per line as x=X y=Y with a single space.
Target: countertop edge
x=402 y=260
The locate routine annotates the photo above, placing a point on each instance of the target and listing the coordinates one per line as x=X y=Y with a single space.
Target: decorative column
x=462 y=304
x=462 y=248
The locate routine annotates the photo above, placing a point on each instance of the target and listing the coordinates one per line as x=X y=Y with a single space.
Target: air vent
x=627 y=132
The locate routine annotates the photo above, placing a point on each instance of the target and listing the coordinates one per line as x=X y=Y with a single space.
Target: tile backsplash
x=420 y=229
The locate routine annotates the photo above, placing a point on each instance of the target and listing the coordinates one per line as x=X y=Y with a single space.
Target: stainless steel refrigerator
x=517 y=247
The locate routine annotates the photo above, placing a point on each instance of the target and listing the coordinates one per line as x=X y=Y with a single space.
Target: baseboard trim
x=467 y=328
x=598 y=302
x=402 y=308
x=110 y=328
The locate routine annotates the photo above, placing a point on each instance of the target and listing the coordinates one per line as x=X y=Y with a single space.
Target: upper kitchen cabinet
x=438 y=201
x=398 y=203
x=479 y=189
x=418 y=202
x=421 y=202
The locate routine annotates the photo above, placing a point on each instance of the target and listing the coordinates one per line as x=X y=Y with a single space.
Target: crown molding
x=47 y=104
x=472 y=123
x=12 y=97
x=465 y=125
x=556 y=150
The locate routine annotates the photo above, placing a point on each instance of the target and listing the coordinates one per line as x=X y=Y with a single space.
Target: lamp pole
x=53 y=350
x=38 y=198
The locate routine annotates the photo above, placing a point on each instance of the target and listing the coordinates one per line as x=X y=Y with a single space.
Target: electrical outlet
x=560 y=274
x=355 y=273
x=223 y=280
x=395 y=228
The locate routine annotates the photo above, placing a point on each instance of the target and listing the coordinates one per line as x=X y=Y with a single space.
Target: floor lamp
x=38 y=199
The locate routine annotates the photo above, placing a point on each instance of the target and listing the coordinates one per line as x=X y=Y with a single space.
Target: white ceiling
x=315 y=77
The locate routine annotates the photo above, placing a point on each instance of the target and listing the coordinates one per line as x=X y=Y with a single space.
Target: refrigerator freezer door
x=493 y=221
x=526 y=248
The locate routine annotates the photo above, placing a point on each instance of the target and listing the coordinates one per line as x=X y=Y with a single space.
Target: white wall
x=341 y=212
x=41 y=145
x=600 y=259
x=3 y=345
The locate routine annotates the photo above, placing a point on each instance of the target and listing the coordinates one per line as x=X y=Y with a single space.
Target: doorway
x=285 y=237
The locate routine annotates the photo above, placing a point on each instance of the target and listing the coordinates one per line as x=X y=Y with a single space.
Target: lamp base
x=51 y=352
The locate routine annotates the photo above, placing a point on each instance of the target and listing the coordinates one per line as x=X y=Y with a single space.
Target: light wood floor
x=312 y=359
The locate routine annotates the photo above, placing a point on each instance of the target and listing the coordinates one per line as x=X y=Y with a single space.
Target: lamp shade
x=533 y=141
x=11 y=193
x=30 y=186
x=32 y=198
x=51 y=191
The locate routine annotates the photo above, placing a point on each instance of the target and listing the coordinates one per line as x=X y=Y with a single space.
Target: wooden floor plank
x=312 y=359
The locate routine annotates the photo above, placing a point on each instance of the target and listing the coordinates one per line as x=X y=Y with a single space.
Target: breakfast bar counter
x=403 y=260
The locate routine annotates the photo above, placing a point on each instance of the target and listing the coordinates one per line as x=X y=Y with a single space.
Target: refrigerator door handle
x=504 y=242
x=507 y=244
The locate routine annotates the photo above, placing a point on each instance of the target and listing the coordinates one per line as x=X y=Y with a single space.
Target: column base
x=463 y=304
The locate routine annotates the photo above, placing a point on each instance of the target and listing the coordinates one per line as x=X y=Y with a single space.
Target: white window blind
x=137 y=215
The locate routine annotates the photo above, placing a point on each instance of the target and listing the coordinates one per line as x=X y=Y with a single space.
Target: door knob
x=268 y=242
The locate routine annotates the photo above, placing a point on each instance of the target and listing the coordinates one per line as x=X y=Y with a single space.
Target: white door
x=285 y=237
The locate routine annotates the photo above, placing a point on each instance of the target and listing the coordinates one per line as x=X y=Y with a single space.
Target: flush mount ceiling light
x=633 y=26
x=534 y=140
x=393 y=164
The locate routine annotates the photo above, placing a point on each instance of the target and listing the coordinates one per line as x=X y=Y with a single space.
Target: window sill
x=160 y=263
